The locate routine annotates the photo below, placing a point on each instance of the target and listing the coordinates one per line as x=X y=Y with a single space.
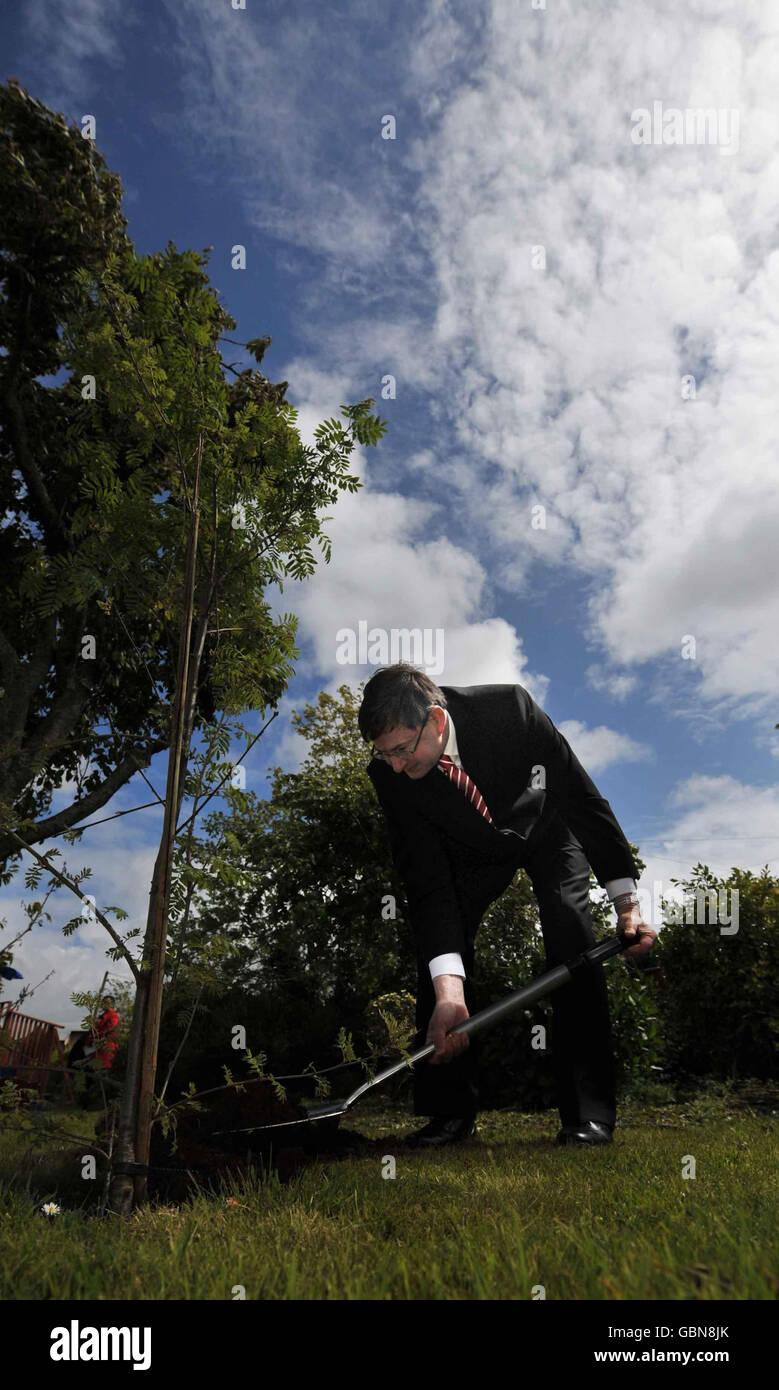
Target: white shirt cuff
x=615 y=886
x=449 y=964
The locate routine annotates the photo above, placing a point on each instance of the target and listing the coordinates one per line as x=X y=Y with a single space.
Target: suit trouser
x=581 y=1040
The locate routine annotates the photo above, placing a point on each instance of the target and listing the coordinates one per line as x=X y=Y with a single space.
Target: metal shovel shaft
x=521 y=998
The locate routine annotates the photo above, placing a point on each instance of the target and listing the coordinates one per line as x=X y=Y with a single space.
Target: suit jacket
x=451 y=861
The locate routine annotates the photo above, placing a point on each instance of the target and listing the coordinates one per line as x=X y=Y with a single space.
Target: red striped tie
x=463 y=783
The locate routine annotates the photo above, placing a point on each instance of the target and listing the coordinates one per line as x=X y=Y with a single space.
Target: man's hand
x=446 y=1015
x=448 y=1012
x=628 y=923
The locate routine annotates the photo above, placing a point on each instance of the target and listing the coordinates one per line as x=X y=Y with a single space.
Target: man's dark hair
x=108 y=999
x=397 y=697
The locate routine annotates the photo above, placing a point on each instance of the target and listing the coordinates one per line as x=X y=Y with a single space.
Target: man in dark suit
x=490 y=785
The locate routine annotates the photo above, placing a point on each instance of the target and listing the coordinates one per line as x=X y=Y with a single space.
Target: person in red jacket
x=100 y=1043
x=103 y=1036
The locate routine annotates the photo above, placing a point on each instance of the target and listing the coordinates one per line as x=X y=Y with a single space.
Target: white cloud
x=614 y=684
x=714 y=821
x=71 y=40
x=598 y=748
x=561 y=386
x=729 y=814
x=673 y=504
x=717 y=821
x=387 y=573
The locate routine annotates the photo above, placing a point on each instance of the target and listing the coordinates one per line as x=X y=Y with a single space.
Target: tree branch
x=68 y=883
x=66 y=709
x=57 y=535
x=55 y=825
x=23 y=681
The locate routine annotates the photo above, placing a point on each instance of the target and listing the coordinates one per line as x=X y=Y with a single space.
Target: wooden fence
x=27 y=1047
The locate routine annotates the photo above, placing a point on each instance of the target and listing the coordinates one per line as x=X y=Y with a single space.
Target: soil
x=209 y=1156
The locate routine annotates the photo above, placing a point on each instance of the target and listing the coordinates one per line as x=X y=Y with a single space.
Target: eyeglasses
x=401 y=751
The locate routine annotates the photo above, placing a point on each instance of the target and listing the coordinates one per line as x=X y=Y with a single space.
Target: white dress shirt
x=451 y=963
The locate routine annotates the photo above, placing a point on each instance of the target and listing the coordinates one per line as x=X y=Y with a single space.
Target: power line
x=704 y=839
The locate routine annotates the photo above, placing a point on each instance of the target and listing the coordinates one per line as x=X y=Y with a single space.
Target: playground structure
x=27 y=1048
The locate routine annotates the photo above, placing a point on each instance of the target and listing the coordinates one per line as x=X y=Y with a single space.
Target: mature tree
x=96 y=483
x=149 y=504
x=60 y=214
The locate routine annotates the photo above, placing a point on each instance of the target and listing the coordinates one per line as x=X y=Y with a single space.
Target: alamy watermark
x=381 y=646
x=715 y=907
x=77 y=1343
x=695 y=125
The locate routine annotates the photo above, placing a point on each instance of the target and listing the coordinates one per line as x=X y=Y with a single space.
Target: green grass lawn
x=493 y=1218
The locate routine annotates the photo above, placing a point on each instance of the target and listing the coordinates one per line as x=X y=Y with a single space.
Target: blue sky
x=518 y=384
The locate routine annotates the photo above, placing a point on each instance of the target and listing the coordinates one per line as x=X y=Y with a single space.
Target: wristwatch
x=625 y=900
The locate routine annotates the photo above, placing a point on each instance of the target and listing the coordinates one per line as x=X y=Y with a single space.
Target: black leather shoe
x=586 y=1132
x=441 y=1131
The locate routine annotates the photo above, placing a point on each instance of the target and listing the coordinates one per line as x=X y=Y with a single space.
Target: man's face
x=427 y=753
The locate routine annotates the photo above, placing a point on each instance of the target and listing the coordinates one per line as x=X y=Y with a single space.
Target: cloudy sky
x=570 y=276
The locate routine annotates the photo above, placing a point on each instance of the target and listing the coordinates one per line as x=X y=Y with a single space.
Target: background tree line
x=294 y=888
